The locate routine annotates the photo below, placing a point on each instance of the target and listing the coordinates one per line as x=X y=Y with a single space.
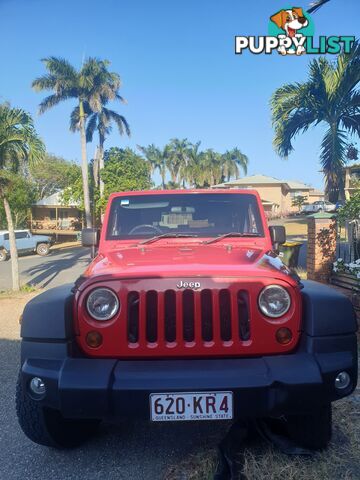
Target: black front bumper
x=272 y=385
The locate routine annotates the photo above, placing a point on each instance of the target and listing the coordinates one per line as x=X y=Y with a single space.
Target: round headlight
x=102 y=304
x=274 y=301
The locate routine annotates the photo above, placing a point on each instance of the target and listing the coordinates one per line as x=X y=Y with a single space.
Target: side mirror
x=278 y=235
x=90 y=237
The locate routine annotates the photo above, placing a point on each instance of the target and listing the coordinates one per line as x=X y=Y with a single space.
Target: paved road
x=59 y=267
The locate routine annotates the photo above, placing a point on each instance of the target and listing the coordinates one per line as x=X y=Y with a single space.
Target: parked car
x=319 y=206
x=26 y=242
x=185 y=314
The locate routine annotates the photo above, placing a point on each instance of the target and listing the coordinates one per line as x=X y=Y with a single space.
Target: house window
x=297 y=194
x=52 y=214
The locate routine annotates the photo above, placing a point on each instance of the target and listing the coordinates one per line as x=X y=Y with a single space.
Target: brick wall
x=321 y=248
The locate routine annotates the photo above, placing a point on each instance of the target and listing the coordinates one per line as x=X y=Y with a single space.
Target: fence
x=348 y=241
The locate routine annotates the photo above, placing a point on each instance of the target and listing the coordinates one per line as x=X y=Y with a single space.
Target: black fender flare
x=47 y=328
x=326 y=311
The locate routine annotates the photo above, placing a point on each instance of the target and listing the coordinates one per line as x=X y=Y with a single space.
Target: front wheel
x=3 y=255
x=43 y=249
x=48 y=427
x=311 y=430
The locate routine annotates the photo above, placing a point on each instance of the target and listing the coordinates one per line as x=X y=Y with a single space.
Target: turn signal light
x=283 y=335
x=94 y=339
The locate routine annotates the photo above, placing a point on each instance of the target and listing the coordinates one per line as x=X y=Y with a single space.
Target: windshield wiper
x=231 y=234
x=166 y=235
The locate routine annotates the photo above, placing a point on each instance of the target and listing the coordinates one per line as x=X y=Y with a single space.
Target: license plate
x=169 y=407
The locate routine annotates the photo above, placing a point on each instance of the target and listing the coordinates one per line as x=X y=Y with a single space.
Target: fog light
x=37 y=386
x=342 y=380
x=94 y=339
x=283 y=335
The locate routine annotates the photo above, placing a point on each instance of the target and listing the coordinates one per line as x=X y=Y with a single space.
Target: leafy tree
x=351 y=210
x=298 y=201
x=53 y=174
x=89 y=86
x=21 y=196
x=19 y=144
x=329 y=96
x=125 y=170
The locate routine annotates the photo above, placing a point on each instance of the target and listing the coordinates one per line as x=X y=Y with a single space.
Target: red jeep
x=186 y=313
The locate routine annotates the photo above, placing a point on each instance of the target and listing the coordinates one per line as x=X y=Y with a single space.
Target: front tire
x=3 y=255
x=43 y=249
x=313 y=430
x=48 y=427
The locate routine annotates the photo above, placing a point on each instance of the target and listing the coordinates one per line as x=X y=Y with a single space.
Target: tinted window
x=6 y=236
x=206 y=215
x=21 y=235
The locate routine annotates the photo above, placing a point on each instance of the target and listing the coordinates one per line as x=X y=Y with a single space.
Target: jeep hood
x=186 y=261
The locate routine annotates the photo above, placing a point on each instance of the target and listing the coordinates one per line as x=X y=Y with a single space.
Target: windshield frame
x=107 y=235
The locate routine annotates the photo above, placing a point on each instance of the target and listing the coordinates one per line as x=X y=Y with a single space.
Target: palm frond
x=91 y=127
x=120 y=120
x=60 y=67
x=297 y=122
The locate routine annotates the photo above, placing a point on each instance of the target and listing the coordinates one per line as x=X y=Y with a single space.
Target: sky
x=179 y=73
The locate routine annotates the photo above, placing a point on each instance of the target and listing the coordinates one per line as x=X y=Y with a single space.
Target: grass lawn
x=296 y=227
x=261 y=461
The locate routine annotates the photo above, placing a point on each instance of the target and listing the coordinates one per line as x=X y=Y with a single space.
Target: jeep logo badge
x=193 y=285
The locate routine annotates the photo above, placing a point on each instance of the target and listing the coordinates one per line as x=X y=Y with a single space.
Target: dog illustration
x=290 y=21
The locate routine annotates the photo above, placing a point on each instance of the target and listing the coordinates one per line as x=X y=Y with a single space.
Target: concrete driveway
x=130 y=451
x=59 y=267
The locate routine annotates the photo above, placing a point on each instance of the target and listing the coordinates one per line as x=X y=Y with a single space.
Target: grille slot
x=188 y=307
x=206 y=316
x=151 y=316
x=133 y=317
x=170 y=315
x=244 y=315
x=225 y=315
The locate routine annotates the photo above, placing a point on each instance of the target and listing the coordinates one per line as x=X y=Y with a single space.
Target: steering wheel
x=144 y=225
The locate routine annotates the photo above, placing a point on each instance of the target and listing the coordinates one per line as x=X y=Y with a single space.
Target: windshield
x=188 y=214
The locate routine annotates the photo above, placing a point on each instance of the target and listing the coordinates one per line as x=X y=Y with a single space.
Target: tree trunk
x=13 y=249
x=84 y=167
x=101 y=164
x=96 y=167
x=163 y=173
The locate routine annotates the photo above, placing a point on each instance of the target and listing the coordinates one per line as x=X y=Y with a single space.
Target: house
x=351 y=179
x=276 y=195
x=51 y=217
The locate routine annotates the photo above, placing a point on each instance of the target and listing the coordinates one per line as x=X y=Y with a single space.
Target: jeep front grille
x=188 y=318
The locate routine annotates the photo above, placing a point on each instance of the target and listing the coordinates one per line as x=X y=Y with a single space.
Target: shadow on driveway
x=44 y=273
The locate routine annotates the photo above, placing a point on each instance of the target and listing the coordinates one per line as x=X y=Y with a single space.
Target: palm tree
x=89 y=86
x=330 y=96
x=177 y=157
x=99 y=116
x=232 y=162
x=157 y=158
x=190 y=170
x=19 y=143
